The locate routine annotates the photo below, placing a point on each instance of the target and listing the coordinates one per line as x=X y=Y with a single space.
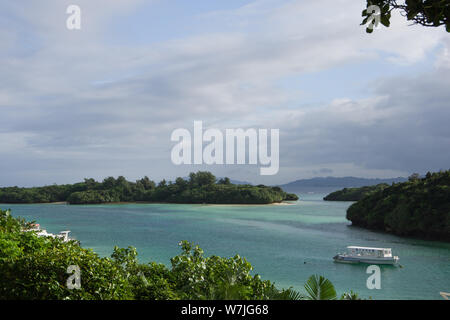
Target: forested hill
x=418 y=208
x=354 y=194
x=200 y=187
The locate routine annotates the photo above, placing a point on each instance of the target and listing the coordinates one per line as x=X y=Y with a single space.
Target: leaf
x=320 y=288
x=385 y=21
x=411 y=14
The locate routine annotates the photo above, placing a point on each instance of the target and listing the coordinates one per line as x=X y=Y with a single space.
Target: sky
x=103 y=100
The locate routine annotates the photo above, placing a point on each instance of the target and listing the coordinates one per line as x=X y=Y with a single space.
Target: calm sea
x=284 y=243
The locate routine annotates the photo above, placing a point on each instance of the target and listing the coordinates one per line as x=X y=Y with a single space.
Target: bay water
x=285 y=243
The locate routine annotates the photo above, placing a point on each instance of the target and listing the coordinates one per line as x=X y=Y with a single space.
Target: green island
x=354 y=194
x=36 y=267
x=200 y=187
x=418 y=208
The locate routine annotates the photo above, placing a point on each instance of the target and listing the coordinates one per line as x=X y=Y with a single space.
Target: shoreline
x=284 y=203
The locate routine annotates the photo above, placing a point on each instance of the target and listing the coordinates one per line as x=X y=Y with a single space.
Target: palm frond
x=320 y=288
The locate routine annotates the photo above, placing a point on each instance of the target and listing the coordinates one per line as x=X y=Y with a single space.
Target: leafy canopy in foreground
x=428 y=13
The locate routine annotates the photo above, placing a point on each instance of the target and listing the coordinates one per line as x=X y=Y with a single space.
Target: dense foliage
x=354 y=194
x=201 y=187
x=428 y=13
x=419 y=207
x=33 y=267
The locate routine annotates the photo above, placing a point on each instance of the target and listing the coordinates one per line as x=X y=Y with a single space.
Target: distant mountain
x=239 y=182
x=334 y=183
x=231 y=180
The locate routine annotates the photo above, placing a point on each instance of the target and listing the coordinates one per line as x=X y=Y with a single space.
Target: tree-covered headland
x=200 y=187
x=354 y=194
x=417 y=208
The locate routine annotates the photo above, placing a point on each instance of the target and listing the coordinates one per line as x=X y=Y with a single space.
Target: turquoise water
x=284 y=243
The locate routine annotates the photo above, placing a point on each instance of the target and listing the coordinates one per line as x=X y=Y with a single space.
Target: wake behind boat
x=368 y=255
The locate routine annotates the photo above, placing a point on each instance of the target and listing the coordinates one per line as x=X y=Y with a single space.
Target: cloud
x=323 y=171
x=74 y=99
x=403 y=127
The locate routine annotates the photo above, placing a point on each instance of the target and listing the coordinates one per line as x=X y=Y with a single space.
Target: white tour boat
x=368 y=255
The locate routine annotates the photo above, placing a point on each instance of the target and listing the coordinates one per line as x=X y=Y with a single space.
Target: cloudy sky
x=104 y=100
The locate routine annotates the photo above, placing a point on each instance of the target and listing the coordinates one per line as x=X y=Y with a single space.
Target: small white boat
x=368 y=255
x=63 y=235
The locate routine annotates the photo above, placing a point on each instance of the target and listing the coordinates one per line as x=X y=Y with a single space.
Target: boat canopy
x=367 y=248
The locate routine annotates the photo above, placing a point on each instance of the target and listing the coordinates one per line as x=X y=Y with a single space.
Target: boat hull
x=366 y=260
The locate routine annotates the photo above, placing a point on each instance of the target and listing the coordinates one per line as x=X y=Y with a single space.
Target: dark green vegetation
x=33 y=267
x=428 y=13
x=418 y=208
x=201 y=187
x=354 y=194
